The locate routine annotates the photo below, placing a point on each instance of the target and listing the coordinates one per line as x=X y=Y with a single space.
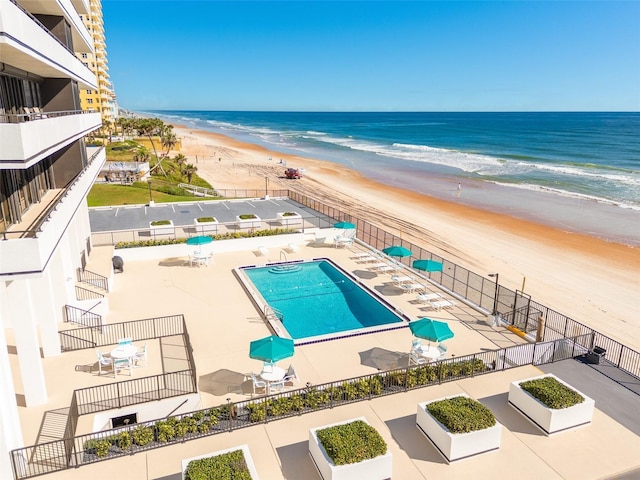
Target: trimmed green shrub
x=552 y=393
x=351 y=442
x=142 y=435
x=124 y=441
x=247 y=216
x=103 y=447
x=220 y=236
x=160 y=222
x=206 y=219
x=228 y=466
x=462 y=414
x=90 y=445
x=289 y=214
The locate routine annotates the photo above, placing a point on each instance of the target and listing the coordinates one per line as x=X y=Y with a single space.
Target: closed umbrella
x=344 y=225
x=427 y=265
x=431 y=330
x=397 y=251
x=271 y=349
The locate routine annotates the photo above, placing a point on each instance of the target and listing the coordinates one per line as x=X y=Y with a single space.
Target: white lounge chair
x=412 y=287
x=427 y=297
x=440 y=304
x=263 y=250
x=293 y=247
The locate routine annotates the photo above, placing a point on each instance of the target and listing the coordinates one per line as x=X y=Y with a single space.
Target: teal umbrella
x=271 y=349
x=199 y=240
x=432 y=330
x=344 y=225
x=397 y=251
x=427 y=265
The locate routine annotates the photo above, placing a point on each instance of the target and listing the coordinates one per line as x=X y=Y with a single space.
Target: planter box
x=289 y=220
x=255 y=222
x=456 y=446
x=167 y=229
x=245 y=451
x=377 y=468
x=550 y=420
x=206 y=227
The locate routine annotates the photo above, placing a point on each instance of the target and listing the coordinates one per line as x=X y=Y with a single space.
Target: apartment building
x=102 y=99
x=46 y=171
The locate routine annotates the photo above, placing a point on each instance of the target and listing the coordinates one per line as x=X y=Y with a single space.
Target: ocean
x=576 y=171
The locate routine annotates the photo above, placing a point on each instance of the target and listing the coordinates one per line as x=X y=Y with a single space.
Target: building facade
x=102 y=99
x=46 y=172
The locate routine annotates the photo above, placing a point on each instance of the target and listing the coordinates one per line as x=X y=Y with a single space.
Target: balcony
x=26 y=252
x=49 y=59
x=27 y=142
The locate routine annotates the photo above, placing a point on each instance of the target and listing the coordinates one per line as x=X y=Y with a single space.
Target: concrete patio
x=222 y=320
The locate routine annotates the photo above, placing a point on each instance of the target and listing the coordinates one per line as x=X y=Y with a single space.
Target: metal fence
x=157 y=327
x=83 y=449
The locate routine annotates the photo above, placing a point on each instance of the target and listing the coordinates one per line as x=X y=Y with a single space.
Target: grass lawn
x=107 y=195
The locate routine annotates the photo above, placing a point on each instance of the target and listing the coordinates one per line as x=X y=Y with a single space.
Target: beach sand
x=595 y=282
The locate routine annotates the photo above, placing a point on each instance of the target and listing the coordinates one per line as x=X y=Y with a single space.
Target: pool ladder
x=271 y=313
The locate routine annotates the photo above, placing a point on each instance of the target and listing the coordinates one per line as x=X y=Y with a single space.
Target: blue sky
x=374 y=56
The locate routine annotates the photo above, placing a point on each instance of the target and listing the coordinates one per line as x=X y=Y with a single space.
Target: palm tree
x=150 y=127
x=169 y=140
x=189 y=170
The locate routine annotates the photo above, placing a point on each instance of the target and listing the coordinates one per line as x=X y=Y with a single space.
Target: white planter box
x=548 y=419
x=167 y=229
x=377 y=468
x=289 y=220
x=203 y=227
x=245 y=451
x=456 y=446
x=249 y=222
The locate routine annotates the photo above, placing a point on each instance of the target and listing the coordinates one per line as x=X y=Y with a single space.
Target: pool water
x=317 y=300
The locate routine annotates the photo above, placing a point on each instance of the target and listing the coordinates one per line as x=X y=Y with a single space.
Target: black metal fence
x=85 y=449
x=157 y=327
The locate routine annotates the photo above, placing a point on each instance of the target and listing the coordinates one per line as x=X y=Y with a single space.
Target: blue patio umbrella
x=432 y=330
x=397 y=251
x=271 y=349
x=344 y=225
x=199 y=240
x=427 y=265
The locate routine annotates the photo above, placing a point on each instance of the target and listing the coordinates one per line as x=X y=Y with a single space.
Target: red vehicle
x=292 y=173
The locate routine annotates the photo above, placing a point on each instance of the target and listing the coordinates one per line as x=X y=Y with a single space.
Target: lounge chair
x=293 y=247
x=412 y=287
x=262 y=250
x=427 y=297
x=440 y=304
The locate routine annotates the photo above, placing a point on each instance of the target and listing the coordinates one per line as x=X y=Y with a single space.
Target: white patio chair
x=415 y=359
x=291 y=376
x=103 y=362
x=140 y=358
x=257 y=384
x=125 y=341
x=122 y=364
x=443 y=350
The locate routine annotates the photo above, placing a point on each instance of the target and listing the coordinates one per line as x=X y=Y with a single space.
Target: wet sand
x=591 y=280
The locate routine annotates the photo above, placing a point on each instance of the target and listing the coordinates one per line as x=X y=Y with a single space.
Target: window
x=89 y=92
x=89 y=100
x=84 y=55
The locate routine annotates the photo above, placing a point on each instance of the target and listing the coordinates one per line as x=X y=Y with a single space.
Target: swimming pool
x=318 y=301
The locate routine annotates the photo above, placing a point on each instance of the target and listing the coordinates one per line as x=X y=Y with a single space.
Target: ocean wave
x=569 y=194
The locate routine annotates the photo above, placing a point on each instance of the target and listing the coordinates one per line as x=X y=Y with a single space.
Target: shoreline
x=593 y=281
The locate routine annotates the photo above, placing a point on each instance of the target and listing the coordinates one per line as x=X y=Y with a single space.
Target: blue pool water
x=317 y=299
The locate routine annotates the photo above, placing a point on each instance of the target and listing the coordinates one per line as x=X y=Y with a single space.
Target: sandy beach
x=593 y=281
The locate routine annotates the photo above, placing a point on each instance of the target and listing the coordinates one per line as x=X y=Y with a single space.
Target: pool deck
x=221 y=321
